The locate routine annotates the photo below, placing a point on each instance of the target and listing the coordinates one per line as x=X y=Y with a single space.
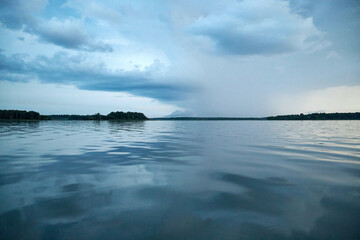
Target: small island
x=32 y=115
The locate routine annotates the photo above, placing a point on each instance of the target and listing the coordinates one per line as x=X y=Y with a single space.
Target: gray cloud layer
x=69 y=34
x=339 y=19
x=258 y=27
x=65 y=69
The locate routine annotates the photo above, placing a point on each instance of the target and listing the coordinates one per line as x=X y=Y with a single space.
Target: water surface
x=180 y=180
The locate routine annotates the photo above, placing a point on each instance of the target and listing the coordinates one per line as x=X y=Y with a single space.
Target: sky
x=244 y=58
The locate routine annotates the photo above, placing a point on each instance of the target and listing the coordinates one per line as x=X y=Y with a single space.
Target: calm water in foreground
x=180 y=180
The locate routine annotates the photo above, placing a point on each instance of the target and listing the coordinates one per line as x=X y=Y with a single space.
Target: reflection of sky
x=195 y=179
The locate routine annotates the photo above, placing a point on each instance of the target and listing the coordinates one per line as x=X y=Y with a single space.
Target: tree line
x=318 y=116
x=18 y=114
x=32 y=115
x=128 y=116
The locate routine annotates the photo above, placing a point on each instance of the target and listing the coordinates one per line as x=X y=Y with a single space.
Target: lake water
x=180 y=180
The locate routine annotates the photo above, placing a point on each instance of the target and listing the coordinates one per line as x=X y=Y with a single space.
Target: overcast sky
x=193 y=58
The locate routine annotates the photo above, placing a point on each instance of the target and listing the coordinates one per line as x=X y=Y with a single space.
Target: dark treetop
x=17 y=114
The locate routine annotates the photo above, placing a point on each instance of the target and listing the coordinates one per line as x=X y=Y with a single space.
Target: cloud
x=69 y=33
x=339 y=19
x=50 y=98
x=332 y=99
x=78 y=70
x=259 y=27
x=100 y=12
x=14 y=14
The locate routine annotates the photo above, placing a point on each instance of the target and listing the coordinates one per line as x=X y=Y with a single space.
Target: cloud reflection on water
x=179 y=180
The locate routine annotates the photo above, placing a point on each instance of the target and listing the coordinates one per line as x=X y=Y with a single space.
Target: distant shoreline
x=20 y=115
x=205 y=119
x=293 y=117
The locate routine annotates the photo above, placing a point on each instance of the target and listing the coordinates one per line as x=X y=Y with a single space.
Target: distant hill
x=182 y=114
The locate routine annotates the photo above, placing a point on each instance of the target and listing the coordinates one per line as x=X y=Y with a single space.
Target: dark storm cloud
x=70 y=34
x=65 y=69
